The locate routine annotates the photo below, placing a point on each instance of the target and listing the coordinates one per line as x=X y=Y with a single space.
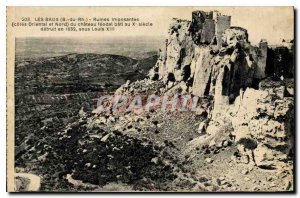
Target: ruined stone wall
x=208 y=31
x=261 y=60
x=202 y=27
x=223 y=22
x=280 y=60
x=283 y=62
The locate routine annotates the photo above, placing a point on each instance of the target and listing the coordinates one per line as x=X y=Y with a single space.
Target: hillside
x=79 y=73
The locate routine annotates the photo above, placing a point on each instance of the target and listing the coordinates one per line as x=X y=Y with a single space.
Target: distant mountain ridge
x=79 y=72
x=32 y=48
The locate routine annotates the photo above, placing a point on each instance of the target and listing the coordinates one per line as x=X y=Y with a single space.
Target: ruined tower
x=208 y=31
x=261 y=59
x=202 y=27
x=223 y=22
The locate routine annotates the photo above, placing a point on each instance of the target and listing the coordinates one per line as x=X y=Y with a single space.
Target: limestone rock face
x=201 y=70
x=178 y=52
x=205 y=69
x=252 y=102
x=267 y=120
x=232 y=68
x=234 y=35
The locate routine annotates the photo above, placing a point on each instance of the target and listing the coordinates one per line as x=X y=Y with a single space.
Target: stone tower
x=208 y=31
x=202 y=27
x=261 y=59
x=223 y=22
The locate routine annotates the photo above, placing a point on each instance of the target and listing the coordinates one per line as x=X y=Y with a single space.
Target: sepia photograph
x=151 y=99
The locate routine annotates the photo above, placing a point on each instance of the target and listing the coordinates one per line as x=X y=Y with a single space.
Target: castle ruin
x=198 y=51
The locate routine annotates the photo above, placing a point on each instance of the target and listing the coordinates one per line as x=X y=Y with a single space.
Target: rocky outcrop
x=201 y=70
x=179 y=52
x=27 y=182
x=234 y=68
x=265 y=119
x=207 y=67
x=218 y=65
x=207 y=57
x=250 y=108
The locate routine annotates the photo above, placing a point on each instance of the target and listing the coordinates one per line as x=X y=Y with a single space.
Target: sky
x=271 y=23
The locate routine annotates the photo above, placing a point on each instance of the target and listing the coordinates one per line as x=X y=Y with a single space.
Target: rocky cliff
x=207 y=69
x=249 y=84
x=247 y=95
